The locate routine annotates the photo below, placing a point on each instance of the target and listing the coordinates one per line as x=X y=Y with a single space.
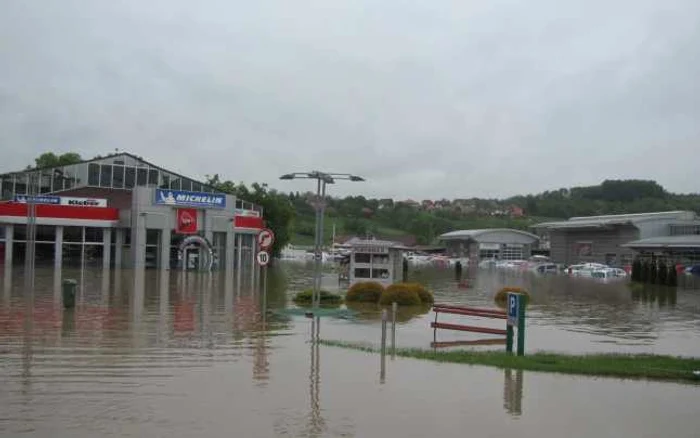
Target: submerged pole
x=394 y=308
x=382 y=369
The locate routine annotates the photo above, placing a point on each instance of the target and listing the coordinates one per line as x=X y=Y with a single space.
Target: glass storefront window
x=73 y=234
x=106 y=176
x=186 y=184
x=118 y=177
x=20 y=233
x=166 y=181
x=153 y=177
x=21 y=184
x=152 y=237
x=58 y=177
x=130 y=178
x=175 y=184
x=81 y=174
x=93 y=235
x=196 y=187
x=45 y=183
x=46 y=233
x=93 y=174
x=141 y=177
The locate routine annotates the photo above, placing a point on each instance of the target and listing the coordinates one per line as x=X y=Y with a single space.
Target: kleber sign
x=192 y=199
x=83 y=202
x=186 y=221
x=63 y=200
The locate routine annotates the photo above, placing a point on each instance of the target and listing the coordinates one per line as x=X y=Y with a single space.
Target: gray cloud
x=426 y=100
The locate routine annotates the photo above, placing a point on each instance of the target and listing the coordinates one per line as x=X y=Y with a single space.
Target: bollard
x=382 y=369
x=394 y=309
x=69 y=287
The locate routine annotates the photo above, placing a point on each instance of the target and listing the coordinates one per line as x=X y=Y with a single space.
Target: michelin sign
x=190 y=199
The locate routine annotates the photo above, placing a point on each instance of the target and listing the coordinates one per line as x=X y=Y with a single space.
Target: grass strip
x=634 y=366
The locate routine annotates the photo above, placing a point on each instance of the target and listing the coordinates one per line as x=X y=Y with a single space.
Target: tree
x=49 y=159
x=277 y=208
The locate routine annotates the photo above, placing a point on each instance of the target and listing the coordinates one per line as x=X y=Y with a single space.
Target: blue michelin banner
x=190 y=199
x=39 y=199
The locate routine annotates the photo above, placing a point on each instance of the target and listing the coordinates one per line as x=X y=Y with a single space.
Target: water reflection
x=513 y=391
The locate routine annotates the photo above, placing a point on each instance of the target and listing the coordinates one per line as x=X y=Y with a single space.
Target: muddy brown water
x=194 y=355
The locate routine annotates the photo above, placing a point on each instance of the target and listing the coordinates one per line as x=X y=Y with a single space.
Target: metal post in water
x=521 y=325
x=382 y=370
x=394 y=309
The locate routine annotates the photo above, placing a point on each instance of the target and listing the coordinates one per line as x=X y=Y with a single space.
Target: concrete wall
x=604 y=241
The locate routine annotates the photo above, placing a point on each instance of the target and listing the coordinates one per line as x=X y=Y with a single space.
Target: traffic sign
x=263 y=258
x=513 y=308
x=266 y=238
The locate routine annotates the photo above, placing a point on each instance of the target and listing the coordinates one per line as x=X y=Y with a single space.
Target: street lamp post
x=322 y=178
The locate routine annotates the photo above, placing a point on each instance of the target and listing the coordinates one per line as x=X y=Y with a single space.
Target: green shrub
x=326 y=298
x=365 y=292
x=402 y=294
x=426 y=297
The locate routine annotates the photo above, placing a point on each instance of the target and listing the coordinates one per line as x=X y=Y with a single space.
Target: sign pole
x=521 y=325
x=509 y=339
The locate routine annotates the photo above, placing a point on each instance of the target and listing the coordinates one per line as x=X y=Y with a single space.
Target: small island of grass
x=639 y=366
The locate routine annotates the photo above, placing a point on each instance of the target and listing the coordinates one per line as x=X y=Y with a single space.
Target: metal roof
x=476 y=234
x=616 y=219
x=689 y=241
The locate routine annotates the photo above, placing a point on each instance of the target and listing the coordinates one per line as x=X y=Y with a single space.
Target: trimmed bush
x=501 y=298
x=426 y=297
x=326 y=298
x=402 y=294
x=365 y=292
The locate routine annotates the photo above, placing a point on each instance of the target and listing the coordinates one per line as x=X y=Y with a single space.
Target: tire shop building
x=613 y=239
x=490 y=243
x=122 y=211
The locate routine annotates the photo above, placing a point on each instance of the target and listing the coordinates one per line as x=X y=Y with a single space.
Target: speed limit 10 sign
x=263 y=258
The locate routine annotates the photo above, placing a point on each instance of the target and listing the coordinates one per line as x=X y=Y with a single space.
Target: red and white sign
x=266 y=238
x=186 y=220
x=263 y=258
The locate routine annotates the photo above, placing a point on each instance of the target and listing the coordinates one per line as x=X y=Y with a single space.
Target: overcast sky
x=425 y=99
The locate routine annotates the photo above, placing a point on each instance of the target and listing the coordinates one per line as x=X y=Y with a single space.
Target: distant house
x=411 y=203
x=427 y=205
x=516 y=211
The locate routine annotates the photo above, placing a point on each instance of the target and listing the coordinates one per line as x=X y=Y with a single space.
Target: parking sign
x=513 y=308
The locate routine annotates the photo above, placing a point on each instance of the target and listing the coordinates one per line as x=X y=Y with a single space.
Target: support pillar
x=229 y=251
x=9 y=240
x=58 y=249
x=106 y=248
x=253 y=262
x=118 y=246
x=164 y=258
x=239 y=260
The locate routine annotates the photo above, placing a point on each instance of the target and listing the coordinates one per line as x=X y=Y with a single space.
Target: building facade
x=122 y=211
x=489 y=244
x=375 y=260
x=603 y=239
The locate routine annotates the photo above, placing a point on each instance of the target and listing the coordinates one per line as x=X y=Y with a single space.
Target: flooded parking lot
x=194 y=355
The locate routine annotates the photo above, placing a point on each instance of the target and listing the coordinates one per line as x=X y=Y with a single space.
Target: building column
x=239 y=260
x=229 y=250
x=106 y=248
x=9 y=240
x=58 y=249
x=118 y=246
x=164 y=257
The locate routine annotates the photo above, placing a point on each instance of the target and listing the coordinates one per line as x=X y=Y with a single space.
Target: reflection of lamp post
x=322 y=179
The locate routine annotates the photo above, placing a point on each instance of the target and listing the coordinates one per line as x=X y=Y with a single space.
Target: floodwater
x=196 y=355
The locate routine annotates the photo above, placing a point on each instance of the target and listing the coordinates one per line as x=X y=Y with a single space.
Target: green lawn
x=643 y=366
